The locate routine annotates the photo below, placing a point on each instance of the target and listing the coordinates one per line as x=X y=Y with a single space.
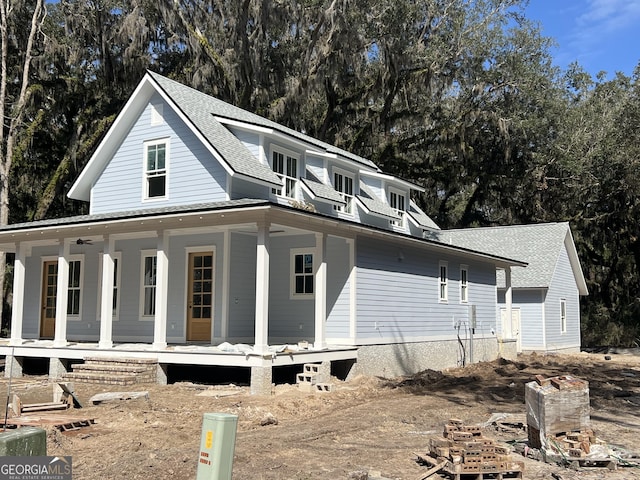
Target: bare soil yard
x=368 y=424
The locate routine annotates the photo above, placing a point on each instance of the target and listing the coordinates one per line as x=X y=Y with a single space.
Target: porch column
x=320 y=291
x=262 y=289
x=17 y=309
x=508 y=301
x=106 y=307
x=162 y=289
x=60 y=338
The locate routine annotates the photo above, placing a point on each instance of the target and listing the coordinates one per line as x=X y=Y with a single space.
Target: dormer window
x=343 y=183
x=285 y=165
x=397 y=202
x=156 y=155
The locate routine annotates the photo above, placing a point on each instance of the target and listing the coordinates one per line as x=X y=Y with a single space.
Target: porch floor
x=225 y=354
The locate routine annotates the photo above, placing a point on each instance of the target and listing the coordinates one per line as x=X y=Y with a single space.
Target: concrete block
x=57 y=368
x=307 y=378
x=261 y=379
x=311 y=368
x=324 y=387
x=13 y=366
x=306 y=387
x=161 y=373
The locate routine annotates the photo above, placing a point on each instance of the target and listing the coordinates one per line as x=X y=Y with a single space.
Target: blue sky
x=598 y=34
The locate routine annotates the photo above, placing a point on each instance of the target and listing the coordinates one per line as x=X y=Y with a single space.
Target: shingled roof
x=539 y=245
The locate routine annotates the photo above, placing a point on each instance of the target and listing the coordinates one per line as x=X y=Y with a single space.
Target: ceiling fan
x=81 y=241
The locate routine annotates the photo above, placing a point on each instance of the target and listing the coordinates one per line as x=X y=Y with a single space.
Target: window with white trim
x=117 y=261
x=443 y=282
x=149 y=267
x=155 y=169
x=74 y=288
x=343 y=183
x=464 y=284
x=302 y=273
x=285 y=166
x=563 y=315
x=397 y=201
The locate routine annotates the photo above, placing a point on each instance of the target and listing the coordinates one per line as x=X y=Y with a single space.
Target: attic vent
x=156 y=115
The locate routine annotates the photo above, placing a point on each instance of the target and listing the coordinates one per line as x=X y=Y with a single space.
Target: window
x=344 y=184
x=563 y=315
x=302 y=273
x=397 y=202
x=464 y=284
x=116 y=285
x=286 y=167
x=149 y=269
x=443 y=283
x=74 y=291
x=156 y=154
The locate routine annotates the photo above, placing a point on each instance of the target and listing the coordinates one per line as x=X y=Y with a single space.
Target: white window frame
x=285 y=175
x=398 y=201
x=292 y=256
x=464 y=284
x=563 y=315
x=144 y=254
x=443 y=282
x=158 y=172
x=340 y=187
x=117 y=286
x=75 y=258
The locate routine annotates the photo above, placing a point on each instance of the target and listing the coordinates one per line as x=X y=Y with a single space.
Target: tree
x=16 y=55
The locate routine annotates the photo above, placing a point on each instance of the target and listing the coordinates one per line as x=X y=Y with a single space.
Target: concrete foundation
x=398 y=359
x=57 y=368
x=261 y=380
x=161 y=374
x=13 y=366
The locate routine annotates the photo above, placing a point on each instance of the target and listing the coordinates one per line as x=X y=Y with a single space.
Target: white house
x=217 y=237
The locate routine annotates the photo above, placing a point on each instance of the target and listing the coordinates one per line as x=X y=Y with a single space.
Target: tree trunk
x=15 y=114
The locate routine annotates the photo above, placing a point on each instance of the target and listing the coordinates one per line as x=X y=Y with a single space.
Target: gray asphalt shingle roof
x=370 y=202
x=539 y=245
x=420 y=217
x=202 y=107
x=322 y=191
x=146 y=212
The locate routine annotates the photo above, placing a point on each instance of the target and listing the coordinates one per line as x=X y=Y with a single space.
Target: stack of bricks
x=469 y=454
x=311 y=379
x=575 y=444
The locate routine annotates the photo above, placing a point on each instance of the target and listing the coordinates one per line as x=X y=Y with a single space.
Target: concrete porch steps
x=114 y=371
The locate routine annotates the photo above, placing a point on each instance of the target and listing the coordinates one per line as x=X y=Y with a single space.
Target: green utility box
x=217 y=446
x=23 y=442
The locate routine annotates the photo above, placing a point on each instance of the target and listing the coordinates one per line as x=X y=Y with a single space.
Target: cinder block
x=312 y=368
x=306 y=378
x=324 y=387
x=306 y=387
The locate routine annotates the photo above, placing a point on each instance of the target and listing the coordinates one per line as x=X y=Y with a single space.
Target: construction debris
x=558 y=423
x=61 y=421
x=463 y=452
x=63 y=399
x=117 y=397
x=554 y=406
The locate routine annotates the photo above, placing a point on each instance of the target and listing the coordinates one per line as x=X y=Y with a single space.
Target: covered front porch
x=175 y=286
x=260 y=365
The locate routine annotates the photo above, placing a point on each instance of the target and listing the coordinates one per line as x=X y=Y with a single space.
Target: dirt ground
x=365 y=425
